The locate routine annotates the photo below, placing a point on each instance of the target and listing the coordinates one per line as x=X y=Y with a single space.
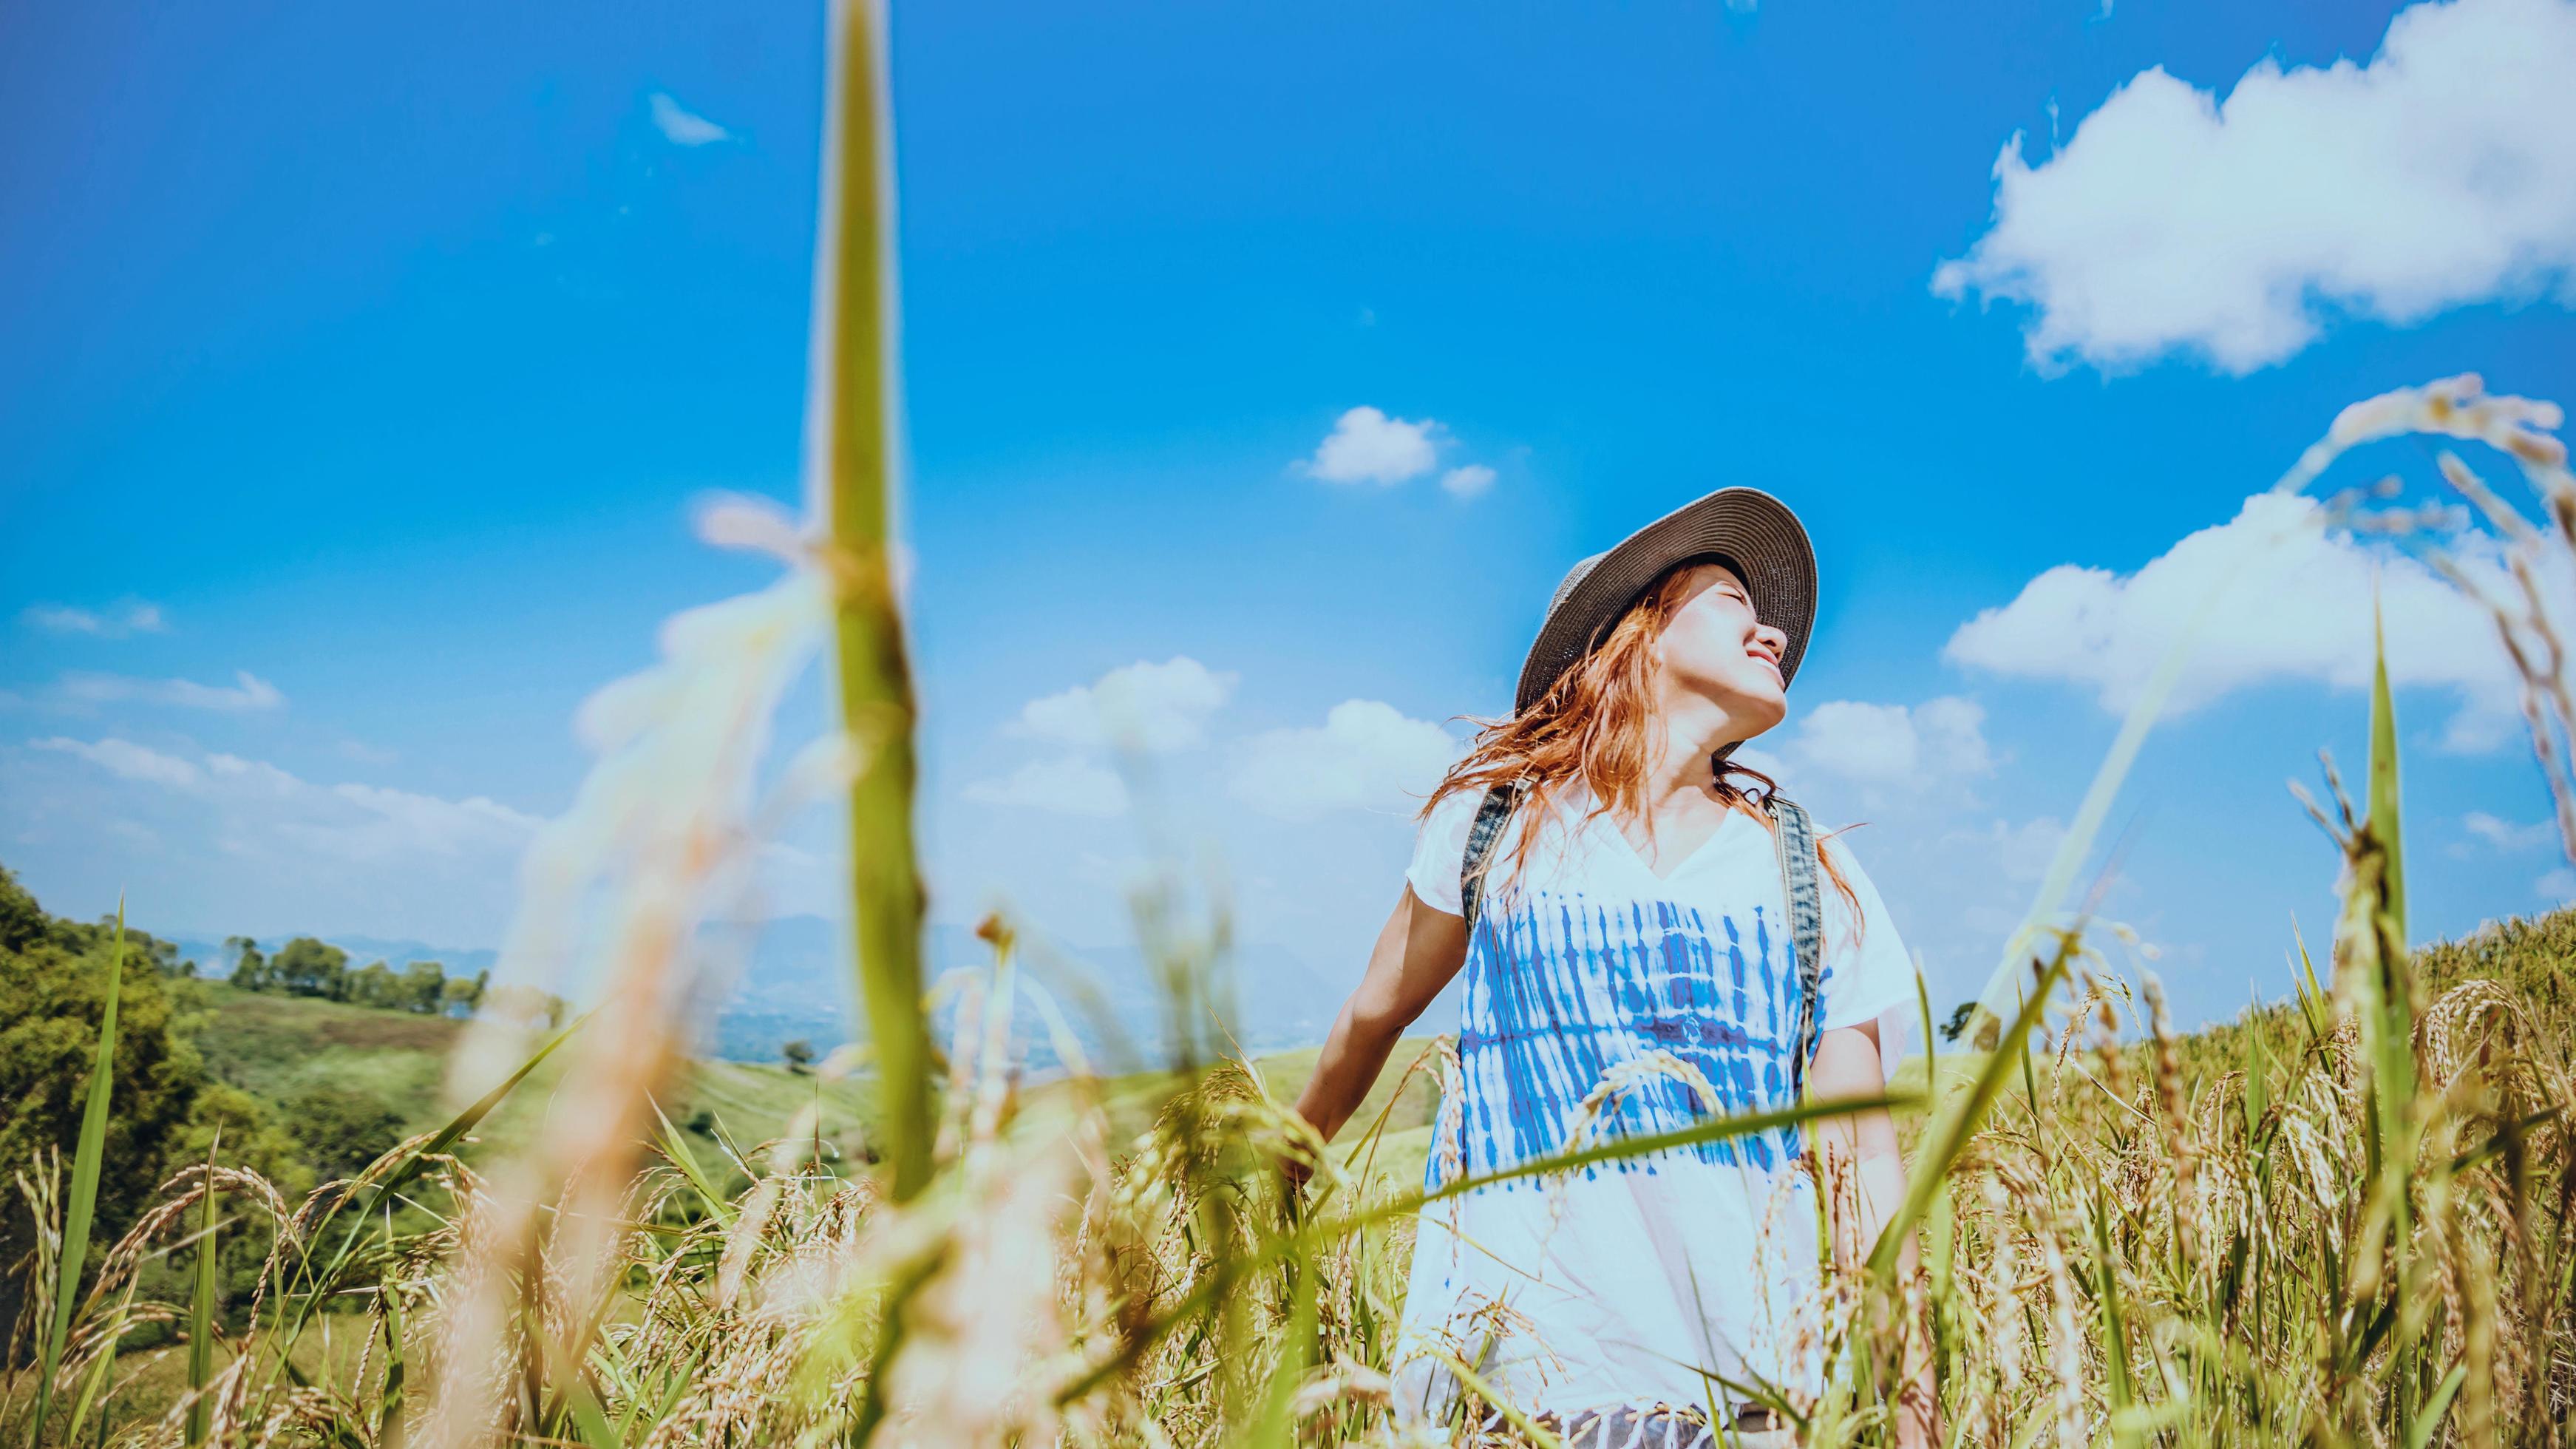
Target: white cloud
x=246 y=842
x=247 y=693
x=133 y=616
x=1893 y=744
x=394 y=821
x=1160 y=707
x=1067 y=786
x=257 y=775
x=2299 y=608
x=1758 y=758
x=127 y=760
x=349 y=821
x=2441 y=174
x=2026 y=850
x=1468 y=481
x=683 y=127
x=2558 y=887
x=1366 y=756
x=1367 y=446
x=2505 y=835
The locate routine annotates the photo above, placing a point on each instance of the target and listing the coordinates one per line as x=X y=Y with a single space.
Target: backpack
x=1792 y=832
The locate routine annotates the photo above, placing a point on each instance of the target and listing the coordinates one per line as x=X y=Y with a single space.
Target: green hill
x=302 y=1055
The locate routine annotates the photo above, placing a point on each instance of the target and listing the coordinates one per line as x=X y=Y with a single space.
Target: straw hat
x=1747 y=529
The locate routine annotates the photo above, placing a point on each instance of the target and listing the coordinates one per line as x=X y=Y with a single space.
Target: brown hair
x=1592 y=724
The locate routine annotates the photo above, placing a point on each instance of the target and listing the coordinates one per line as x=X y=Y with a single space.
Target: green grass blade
x=1275 y=1427
x=472 y=1117
x=2258 y=1081
x=851 y=397
x=389 y=1400
x=581 y=1405
x=2375 y=929
x=2119 y=1390
x=1614 y=1149
x=676 y=1148
x=85 y=1169
x=2383 y=778
x=2429 y=1420
x=1923 y=1017
x=201 y=1308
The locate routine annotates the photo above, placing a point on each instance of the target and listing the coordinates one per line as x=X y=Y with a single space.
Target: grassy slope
x=277 y=1047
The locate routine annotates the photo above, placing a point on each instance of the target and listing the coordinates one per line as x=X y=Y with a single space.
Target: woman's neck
x=1685 y=760
x=1682 y=768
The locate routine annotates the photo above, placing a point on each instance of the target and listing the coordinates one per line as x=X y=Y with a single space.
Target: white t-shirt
x=1643 y=1280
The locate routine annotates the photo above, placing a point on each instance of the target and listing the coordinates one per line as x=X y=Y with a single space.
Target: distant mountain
x=797 y=984
x=213 y=960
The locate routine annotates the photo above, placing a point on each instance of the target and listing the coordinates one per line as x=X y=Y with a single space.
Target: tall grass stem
x=851 y=432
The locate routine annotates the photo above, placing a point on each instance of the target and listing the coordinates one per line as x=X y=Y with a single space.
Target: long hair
x=1592 y=724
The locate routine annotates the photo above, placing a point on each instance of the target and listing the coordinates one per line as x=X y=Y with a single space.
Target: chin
x=1762 y=709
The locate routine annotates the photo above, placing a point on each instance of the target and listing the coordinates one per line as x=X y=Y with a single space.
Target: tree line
x=307 y=967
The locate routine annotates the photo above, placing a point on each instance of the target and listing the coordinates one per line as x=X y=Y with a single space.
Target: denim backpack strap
x=1795 y=835
x=1482 y=837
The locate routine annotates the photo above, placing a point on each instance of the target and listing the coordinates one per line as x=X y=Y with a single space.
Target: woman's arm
x=1864 y=1147
x=1418 y=950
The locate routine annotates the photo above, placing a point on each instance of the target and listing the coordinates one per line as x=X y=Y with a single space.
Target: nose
x=1777 y=640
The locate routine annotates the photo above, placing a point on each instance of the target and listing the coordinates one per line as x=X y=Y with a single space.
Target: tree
x=307 y=967
x=424 y=987
x=23 y=923
x=1958 y=1021
x=375 y=986
x=251 y=970
x=799 y=1054
x=462 y=996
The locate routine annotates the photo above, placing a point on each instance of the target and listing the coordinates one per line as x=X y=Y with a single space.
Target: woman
x=1632 y=920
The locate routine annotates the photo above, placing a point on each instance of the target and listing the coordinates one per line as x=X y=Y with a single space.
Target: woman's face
x=1716 y=649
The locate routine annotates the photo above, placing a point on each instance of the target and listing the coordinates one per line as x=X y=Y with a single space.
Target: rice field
x=2341 y=1219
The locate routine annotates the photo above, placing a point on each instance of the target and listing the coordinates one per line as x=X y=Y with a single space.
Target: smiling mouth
x=1766 y=657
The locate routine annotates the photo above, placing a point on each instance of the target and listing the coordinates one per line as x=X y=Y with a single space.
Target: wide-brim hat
x=1747 y=529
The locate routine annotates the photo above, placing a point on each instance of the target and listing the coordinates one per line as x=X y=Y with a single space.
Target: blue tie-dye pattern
x=1560 y=989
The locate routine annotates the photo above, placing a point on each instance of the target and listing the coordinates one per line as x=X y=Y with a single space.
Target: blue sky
x=359 y=371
